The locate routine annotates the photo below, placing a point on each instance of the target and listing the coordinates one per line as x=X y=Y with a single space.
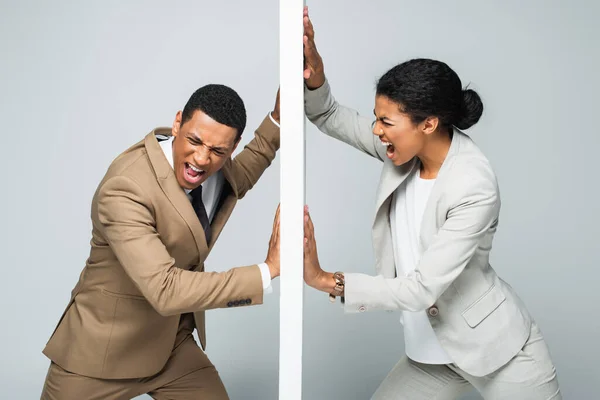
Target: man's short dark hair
x=219 y=102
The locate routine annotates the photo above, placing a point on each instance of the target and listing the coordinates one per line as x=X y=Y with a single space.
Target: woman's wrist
x=325 y=282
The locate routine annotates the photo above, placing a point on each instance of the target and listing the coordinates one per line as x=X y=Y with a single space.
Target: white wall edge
x=292 y=198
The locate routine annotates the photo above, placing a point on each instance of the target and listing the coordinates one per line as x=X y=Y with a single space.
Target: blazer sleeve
x=475 y=209
x=341 y=122
x=249 y=165
x=125 y=218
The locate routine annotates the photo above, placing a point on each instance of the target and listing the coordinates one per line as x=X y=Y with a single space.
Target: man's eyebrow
x=197 y=138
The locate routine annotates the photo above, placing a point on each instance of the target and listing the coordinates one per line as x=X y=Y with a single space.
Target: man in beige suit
x=127 y=329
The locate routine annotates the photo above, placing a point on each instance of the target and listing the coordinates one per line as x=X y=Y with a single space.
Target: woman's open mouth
x=390 y=150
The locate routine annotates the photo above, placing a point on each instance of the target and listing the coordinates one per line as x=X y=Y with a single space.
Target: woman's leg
x=530 y=375
x=411 y=380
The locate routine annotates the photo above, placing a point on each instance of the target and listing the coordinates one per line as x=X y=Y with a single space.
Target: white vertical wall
x=292 y=198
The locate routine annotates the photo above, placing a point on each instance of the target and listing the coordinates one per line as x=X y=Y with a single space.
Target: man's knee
x=61 y=384
x=204 y=383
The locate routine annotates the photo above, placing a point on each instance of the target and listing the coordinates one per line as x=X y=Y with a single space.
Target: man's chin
x=184 y=183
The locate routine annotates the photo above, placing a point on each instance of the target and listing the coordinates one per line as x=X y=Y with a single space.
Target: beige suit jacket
x=146 y=263
x=477 y=317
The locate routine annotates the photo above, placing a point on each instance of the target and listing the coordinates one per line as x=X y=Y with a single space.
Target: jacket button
x=433 y=311
x=362 y=309
x=236 y=303
x=248 y=301
x=229 y=304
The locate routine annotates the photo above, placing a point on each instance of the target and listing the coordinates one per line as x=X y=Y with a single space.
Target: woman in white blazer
x=437 y=212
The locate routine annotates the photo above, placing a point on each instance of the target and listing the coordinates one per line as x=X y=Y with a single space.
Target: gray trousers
x=530 y=375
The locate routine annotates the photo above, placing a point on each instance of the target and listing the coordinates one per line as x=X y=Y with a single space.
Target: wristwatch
x=338 y=290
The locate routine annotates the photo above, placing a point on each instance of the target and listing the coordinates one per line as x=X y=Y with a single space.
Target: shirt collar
x=167 y=147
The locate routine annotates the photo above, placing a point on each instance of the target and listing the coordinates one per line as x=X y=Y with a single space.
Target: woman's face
x=403 y=138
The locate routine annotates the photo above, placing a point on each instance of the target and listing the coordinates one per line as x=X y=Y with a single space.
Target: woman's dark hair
x=425 y=88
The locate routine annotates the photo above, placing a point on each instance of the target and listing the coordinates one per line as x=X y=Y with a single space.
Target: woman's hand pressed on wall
x=314 y=73
x=314 y=276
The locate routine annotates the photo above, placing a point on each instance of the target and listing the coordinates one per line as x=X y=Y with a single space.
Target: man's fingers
x=276 y=219
x=274 y=240
x=277 y=231
x=277 y=101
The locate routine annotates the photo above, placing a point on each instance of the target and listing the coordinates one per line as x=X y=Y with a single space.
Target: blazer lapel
x=391 y=178
x=175 y=193
x=409 y=213
x=226 y=204
x=436 y=191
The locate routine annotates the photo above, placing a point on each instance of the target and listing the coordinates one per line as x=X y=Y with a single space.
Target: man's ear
x=235 y=145
x=176 y=124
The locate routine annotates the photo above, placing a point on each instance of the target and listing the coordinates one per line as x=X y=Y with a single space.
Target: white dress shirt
x=211 y=193
x=409 y=202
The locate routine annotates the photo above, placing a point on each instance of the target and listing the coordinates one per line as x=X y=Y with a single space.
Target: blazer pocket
x=122 y=295
x=483 y=306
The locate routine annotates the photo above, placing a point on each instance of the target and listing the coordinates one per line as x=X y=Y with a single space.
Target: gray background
x=536 y=65
x=79 y=83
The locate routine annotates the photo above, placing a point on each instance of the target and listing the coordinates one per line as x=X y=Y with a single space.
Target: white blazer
x=477 y=317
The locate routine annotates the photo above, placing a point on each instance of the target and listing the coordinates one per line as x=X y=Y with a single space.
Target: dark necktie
x=201 y=211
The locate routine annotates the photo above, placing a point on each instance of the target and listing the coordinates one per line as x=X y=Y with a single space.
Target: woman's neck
x=434 y=153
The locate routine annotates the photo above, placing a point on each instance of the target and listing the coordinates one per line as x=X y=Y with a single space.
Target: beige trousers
x=530 y=375
x=188 y=375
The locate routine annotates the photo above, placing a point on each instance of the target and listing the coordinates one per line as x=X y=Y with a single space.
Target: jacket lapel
x=226 y=204
x=175 y=193
x=438 y=187
x=391 y=178
x=409 y=213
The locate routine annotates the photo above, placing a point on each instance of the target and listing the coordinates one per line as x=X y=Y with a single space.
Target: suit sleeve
x=125 y=218
x=249 y=165
x=468 y=221
x=341 y=122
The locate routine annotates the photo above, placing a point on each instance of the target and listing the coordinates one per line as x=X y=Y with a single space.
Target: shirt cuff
x=266 y=277
x=276 y=123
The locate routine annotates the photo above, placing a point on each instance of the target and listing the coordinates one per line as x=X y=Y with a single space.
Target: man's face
x=200 y=148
